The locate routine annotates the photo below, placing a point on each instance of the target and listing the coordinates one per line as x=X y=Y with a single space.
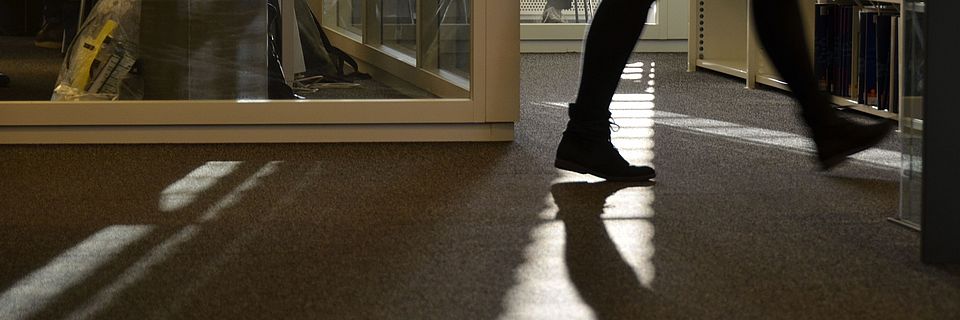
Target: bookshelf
x=724 y=41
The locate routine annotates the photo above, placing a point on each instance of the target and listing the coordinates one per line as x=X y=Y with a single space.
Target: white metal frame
x=486 y=114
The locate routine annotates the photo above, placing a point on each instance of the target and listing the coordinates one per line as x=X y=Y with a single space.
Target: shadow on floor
x=383 y=231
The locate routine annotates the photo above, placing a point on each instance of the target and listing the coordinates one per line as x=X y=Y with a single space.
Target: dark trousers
x=617 y=26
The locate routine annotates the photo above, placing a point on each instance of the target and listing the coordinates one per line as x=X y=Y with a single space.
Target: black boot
x=586 y=148
x=837 y=141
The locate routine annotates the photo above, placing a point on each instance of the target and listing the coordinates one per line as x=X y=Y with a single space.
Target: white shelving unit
x=723 y=40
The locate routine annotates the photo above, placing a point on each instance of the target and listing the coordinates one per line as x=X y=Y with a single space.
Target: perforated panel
x=533 y=9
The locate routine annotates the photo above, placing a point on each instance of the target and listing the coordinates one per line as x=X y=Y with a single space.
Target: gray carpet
x=33 y=71
x=730 y=229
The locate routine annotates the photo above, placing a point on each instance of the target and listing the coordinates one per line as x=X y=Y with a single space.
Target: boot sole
x=574 y=167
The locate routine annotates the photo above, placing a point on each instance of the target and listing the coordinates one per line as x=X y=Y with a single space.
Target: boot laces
x=613 y=125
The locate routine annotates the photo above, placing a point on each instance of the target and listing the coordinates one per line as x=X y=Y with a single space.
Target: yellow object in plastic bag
x=88 y=51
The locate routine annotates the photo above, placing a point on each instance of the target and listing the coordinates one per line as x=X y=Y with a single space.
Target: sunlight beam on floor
x=34 y=292
x=183 y=192
x=543 y=288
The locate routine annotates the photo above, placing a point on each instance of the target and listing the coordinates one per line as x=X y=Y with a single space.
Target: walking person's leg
x=780 y=30
x=585 y=146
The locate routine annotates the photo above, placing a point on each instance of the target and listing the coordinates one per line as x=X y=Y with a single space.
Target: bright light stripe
x=169 y=247
x=543 y=288
x=234 y=196
x=32 y=293
x=630 y=203
x=183 y=192
x=621 y=114
x=641 y=97
x=736 y=132
x=631 y=105
x=134 y=273
x=785 y=140
x=634 y=240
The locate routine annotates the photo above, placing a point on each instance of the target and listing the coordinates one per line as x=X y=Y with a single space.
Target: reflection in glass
x=243 y=51
x=454 y=46
x=141 y=50
x=344 y=15
x=399 y=25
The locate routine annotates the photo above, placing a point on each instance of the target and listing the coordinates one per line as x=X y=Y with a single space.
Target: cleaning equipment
x=101 y=62
x=88 y=52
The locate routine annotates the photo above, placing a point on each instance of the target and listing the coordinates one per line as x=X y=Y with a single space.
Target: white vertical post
x=292 y=49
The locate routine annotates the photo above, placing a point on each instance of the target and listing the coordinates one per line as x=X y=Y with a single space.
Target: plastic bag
x=101 y=64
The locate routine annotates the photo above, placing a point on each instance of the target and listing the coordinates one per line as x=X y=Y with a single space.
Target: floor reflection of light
x=133 y=274
x=632 y=74
x=169 y=247
x=183 y=192
x=768 y=138
x=35 y=291
x=633 y=97
x=543 y=287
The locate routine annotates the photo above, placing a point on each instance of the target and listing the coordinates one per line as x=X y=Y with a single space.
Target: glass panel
x=343 y=15
x=236 y=50
x=566 y=11
x=399 y=25
x=454 y=46
x=911 y=114
x=139 y=50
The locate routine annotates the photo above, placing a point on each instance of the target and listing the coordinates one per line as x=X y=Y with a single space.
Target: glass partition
x=428 y=40
x=911 y=115
x=454 y=38
x=398 y=27
x=260 y=71
x=248 y=50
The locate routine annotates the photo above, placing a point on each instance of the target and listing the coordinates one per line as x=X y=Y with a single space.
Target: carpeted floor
x=736 y=226
x=33 y=71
